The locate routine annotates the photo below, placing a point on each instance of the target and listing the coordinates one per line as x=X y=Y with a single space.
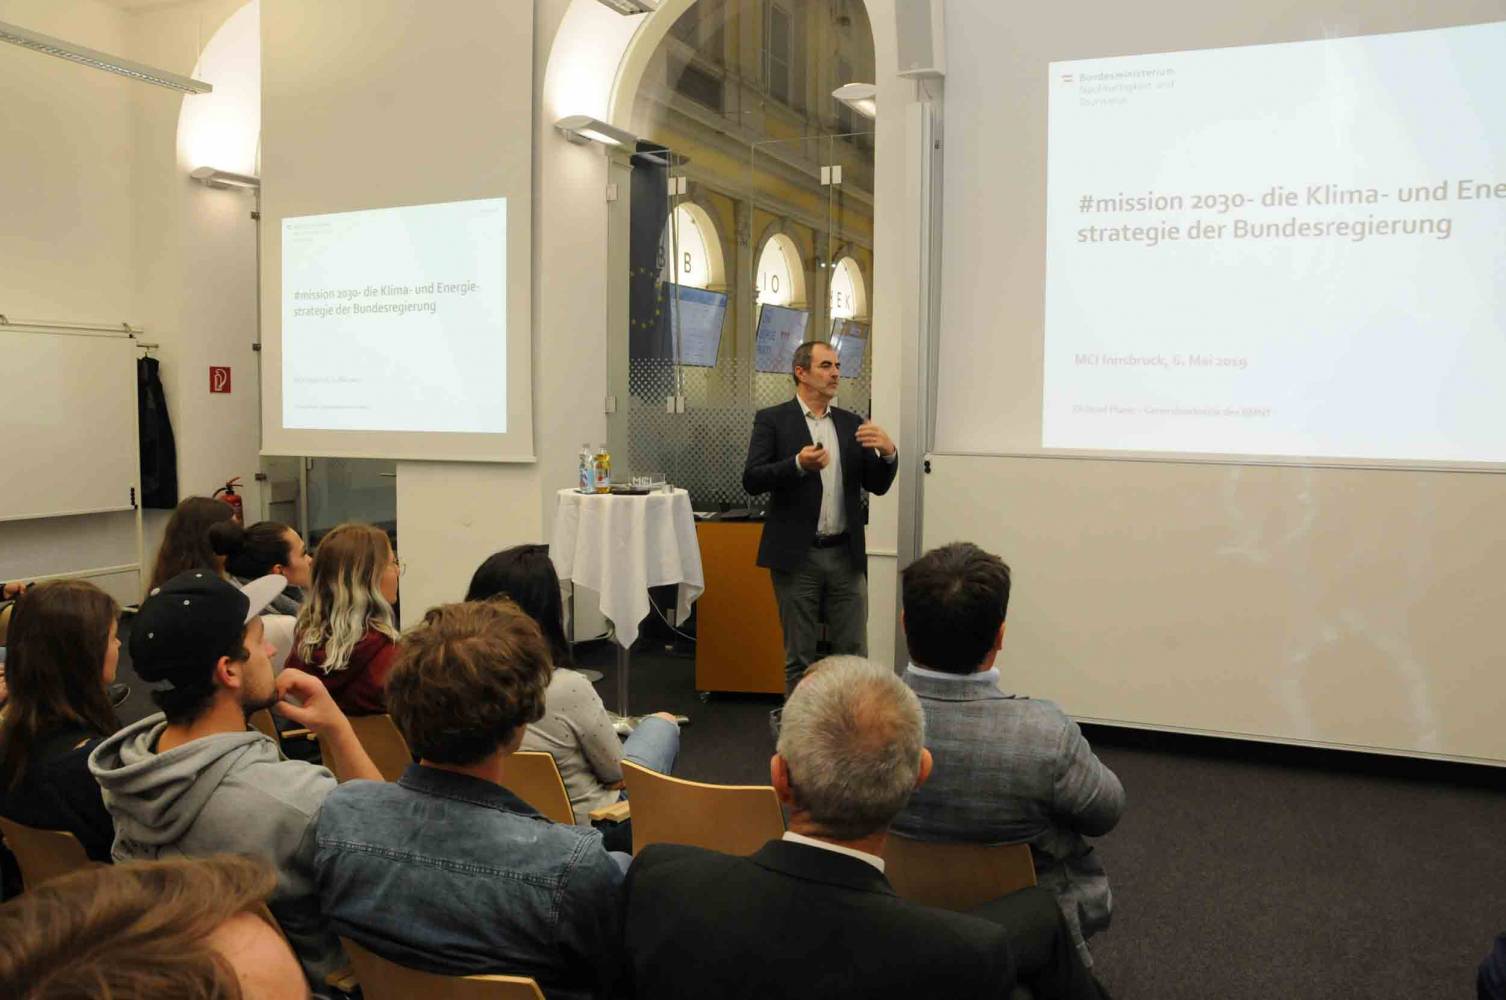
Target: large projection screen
x=1222 y=361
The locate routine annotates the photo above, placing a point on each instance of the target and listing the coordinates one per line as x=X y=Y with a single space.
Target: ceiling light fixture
x=627 y=8
x=38 y=42
x=581 y=129
x=210 y=177
x=860 y=97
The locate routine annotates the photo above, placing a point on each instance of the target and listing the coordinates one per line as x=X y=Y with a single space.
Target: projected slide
x=396 y=319
x=1285 y=250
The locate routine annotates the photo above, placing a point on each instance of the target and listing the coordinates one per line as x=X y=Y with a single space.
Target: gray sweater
x=229 y=793
x=577 y=732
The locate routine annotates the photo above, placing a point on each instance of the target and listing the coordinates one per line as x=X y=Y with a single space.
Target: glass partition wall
x=749 y=230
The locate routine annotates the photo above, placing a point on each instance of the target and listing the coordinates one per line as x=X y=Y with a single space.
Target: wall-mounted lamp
x=581 y=129
x=860 y=97
x=46 y=44
x=210 y=177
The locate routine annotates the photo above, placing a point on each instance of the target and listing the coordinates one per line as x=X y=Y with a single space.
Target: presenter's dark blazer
x=779 y=432
x=799 y=922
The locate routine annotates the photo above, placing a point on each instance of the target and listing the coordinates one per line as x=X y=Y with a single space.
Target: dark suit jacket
x=799 y=922
x=779 y=432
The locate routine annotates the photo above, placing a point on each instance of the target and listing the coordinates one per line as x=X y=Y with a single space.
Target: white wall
x=426 y=108
x=65 y=174
x=103 y=225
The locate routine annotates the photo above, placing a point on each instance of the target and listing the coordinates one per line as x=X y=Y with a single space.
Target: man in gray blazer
x=1008 y=769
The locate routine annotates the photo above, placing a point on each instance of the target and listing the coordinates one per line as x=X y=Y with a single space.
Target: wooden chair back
x=533 y=777
x=734 y=819
x=384 y=980
x=43 y=854
x=382 y=742
x=954 y=876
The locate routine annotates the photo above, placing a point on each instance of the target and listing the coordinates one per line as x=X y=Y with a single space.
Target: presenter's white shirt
x=833 y=519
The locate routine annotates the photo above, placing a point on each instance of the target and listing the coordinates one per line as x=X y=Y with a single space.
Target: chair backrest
x=533 y=777
x=955 y=876
x=384 y=980
x=43 y=854
x=382 y=742
x=734 y=819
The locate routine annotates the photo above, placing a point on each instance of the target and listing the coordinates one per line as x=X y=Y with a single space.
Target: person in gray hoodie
x=194 y=781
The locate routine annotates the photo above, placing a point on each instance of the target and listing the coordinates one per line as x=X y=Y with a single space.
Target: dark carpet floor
x=1240 y=871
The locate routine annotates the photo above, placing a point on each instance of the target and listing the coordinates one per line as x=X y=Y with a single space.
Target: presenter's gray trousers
x=828 y=588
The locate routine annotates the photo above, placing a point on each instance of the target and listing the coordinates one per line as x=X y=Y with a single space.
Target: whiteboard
x=1300 y=605
x=71 y=445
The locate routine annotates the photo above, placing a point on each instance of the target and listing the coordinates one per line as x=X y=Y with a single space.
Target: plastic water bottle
x=603 y=467
x=587 y=462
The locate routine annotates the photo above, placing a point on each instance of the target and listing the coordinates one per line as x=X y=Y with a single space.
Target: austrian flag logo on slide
x=219 y=378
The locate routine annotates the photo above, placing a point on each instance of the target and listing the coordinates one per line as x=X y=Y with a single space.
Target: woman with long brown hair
x=185 y=543
x=347 y=634
x=61 y=657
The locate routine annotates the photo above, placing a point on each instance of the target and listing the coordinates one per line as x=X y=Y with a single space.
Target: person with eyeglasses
x=347 y=631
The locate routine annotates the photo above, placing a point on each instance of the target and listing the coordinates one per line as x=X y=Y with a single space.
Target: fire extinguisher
x=227 y=493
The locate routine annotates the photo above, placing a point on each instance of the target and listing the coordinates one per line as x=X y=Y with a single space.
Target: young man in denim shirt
x=446 y=870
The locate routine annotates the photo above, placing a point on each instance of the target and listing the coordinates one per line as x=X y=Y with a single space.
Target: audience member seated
x=185 y=543
x=267 y=548
x=347 y=633
x=1009 y=769
x=445 y=870
x=811 y=915
x=183 y=928
x=195 y=780
x=63 y=652
x=575 y=730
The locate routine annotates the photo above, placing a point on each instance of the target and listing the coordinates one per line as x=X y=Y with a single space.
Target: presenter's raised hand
x=871 y=435
x=813 y=458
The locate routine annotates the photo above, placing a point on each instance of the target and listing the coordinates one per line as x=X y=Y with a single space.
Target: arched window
x=781 y=274
x=692 y=250
x=849 y=293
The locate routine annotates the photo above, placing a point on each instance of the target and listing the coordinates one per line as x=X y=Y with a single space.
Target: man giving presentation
x=814 y=459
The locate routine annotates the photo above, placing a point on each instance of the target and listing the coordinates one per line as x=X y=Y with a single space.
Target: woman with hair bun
x=267 y=548
x=347 y=633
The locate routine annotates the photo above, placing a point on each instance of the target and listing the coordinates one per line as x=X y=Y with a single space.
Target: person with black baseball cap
x=194 y=780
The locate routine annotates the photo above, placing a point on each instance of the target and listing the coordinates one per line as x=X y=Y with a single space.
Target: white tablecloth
x=620 y=546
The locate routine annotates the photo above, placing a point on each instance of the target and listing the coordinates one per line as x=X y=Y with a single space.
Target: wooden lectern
x=739 y=645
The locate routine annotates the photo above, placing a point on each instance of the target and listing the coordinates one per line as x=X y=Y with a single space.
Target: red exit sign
x=219 y=378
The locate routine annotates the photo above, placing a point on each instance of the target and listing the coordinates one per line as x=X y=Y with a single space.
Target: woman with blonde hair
x=346 y=634
x=62 y=657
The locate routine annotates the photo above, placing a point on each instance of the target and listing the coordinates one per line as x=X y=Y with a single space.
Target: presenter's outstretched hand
x=871 y=435
x=813 y=458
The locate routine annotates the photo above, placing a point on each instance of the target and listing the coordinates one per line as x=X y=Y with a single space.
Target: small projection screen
x=395 y=336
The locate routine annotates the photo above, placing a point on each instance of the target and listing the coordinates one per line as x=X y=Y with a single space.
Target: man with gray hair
x=811 y=914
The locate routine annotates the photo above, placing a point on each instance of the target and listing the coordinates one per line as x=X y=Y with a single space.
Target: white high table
x=619 y=546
